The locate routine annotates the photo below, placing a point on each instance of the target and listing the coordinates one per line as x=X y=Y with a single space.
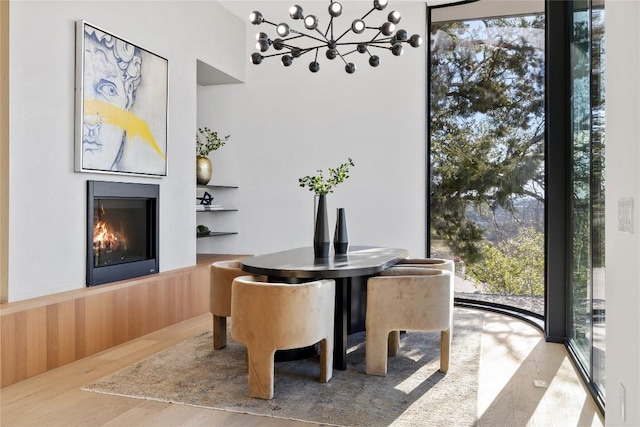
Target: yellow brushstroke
x=124 y=119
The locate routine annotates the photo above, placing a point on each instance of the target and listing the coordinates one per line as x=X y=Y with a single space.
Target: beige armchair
x=407 y=298
x=266 y=317
x=222 y=275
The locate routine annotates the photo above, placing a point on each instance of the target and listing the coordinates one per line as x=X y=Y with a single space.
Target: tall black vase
x=341 y=237
x=321 y=240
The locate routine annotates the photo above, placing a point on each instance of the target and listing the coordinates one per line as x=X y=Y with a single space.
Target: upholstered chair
x=411 y=299
x=266 y=317
x=222 y=275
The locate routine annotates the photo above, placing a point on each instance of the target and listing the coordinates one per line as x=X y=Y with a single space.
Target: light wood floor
x=514 y=359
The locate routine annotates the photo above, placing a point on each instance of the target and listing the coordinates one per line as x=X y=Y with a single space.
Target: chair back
x=222 y=275
x=422 y=297
x=283 y=316
x=437 y=263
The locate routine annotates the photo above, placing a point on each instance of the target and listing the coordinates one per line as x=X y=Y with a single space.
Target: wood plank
x=36 y=334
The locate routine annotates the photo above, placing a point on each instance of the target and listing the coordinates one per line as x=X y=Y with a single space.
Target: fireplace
x=122 y=231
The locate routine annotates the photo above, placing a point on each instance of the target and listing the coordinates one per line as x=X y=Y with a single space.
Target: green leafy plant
x=208 y=140
x=321 y=186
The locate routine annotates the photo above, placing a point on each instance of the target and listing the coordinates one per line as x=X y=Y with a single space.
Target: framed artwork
x=121 y=105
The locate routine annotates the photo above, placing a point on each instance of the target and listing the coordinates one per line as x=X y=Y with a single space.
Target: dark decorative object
x=206 y=199
x=321 y=240
x=383 y=36
x=341 y=237
x=321 y=186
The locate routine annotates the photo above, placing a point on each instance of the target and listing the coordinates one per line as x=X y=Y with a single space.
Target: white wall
x=286 y=123
x=47 y=198
x=622 y=280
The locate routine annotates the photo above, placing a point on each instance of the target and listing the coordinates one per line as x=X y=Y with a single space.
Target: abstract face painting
x=123 y=106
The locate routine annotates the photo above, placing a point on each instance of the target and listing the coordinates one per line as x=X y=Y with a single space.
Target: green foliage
x=487 y=125
x=208 y=140
x=512 y=267
x=321 y=186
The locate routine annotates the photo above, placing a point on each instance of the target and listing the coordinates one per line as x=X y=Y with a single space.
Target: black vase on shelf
x=341 y=237
x=321 y=240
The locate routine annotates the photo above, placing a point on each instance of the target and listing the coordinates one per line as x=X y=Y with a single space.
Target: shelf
x=215 y=234
x=216 y=186
x=225 y=198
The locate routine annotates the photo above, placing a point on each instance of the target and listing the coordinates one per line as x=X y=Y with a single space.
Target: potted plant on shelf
x=207 y=141
x=321 y=186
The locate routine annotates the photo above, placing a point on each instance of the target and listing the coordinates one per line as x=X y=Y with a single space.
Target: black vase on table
x=321 y=240
x=341 y=237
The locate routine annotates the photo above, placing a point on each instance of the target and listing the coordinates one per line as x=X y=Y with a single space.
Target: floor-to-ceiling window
x=486 y=157
x=586 y=294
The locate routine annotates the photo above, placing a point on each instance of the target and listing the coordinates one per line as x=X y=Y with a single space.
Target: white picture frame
x=121 y=105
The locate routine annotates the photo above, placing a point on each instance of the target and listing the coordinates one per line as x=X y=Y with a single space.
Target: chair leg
x=260 y=369
x=219 y=332
x=394 y=343
x=376 y=347
x=326 y=360
x=445 y=350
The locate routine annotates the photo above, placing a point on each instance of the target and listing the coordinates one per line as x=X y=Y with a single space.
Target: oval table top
x=300 y=263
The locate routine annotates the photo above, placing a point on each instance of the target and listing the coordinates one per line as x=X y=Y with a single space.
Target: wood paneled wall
x=46 y=332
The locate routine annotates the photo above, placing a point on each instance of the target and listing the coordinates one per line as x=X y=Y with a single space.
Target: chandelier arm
x=324 y=36
x=293 y=38
x=302 y=52
x=305 y=35
x=368 y=13
x=367 y=43
x=377 y=34
x=350 y=52
x=380 y=47
x=331 y=27
x=343 y=34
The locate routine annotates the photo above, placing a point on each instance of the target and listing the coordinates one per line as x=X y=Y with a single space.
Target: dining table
x=350 y=272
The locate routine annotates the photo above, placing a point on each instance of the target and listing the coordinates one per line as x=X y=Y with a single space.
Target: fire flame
x=106 y=240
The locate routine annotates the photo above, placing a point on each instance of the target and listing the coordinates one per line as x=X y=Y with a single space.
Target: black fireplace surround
x=122 y=231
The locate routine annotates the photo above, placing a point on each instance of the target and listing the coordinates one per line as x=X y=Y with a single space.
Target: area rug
x=414 y=392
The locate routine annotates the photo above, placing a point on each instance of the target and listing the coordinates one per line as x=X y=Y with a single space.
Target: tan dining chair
x=408 y=299
x=222 y=275
x=266 y=317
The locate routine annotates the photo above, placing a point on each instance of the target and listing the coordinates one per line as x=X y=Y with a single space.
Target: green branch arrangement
x=321 y=186
x=208 y=140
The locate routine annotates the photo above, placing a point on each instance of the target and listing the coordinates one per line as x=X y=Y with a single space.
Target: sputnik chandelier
x=384 y=37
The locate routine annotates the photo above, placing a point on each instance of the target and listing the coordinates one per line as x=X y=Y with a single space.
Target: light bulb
x=358 y=26
x=380 y=4
x=394 y=17
x=295 y=12
x=310 y=22
x=283 y=30
x=387 y=28
x=335 y=9
x=256 y=17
